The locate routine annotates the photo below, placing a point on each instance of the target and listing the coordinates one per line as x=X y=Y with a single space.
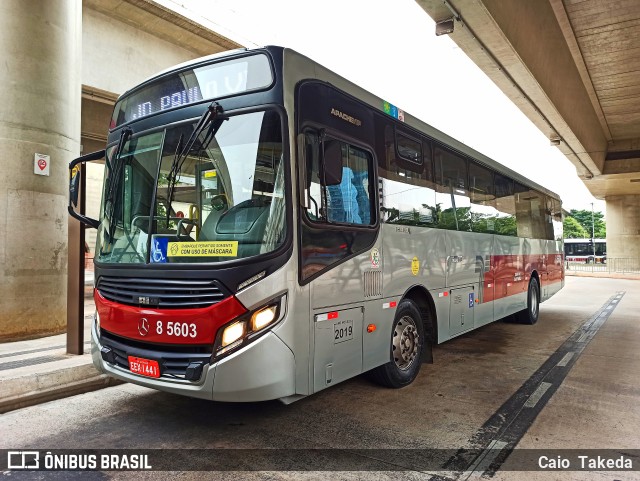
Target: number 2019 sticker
x=342 y=331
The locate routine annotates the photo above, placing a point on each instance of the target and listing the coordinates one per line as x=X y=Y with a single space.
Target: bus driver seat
x=220 y=205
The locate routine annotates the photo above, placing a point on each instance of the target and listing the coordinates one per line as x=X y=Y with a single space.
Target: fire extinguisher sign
x=41 y=164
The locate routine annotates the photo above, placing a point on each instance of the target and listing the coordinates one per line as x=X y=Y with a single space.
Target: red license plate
x=144 y=367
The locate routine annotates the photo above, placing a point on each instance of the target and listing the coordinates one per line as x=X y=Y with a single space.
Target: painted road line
x=484 y=460
x=537 y=395
x=565 y=360
x=511 y=421
x=584 y=337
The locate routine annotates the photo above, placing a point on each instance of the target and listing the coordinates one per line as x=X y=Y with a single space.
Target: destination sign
x=216 y=80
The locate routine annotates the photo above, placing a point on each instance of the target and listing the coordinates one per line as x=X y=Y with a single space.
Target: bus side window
x=483 y=200
x=530 y=212
x=339 y=183
x=556 y=214
x=505 y=221
x=453 y=201
x=408 y=195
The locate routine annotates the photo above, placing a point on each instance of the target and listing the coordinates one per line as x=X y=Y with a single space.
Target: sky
x=389 y=47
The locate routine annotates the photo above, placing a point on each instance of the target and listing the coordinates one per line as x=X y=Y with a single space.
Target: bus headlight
x=232 y=333
x=250 y=326
x=263 y=317
x=97 y=318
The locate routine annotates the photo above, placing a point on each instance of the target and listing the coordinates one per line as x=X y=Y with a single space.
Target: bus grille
x=161 y=293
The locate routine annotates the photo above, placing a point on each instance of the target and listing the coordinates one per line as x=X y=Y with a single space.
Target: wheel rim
x=405 y=342
x=534 y=301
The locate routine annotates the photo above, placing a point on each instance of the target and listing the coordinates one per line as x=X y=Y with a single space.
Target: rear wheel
x=530 y=314
x=407 y=344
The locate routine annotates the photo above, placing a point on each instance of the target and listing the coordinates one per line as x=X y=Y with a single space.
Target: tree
x=506 y=225
x=573 y=230
x=583 y=216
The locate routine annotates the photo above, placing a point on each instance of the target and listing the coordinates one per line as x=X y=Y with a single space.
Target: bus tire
x=406 y=346
x=530 y=314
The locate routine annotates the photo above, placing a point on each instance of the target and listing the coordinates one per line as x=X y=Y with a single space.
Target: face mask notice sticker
x=200 y=249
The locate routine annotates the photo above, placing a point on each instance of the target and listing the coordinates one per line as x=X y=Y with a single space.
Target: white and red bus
x=585 y=250
x=268 y=229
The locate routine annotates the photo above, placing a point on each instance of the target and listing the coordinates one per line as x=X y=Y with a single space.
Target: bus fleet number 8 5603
x=177 y=329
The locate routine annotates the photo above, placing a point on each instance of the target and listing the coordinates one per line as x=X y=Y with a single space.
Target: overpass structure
x=573 y=67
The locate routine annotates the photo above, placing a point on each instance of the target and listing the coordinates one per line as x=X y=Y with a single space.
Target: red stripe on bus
x=167 y=326
x=510 y=274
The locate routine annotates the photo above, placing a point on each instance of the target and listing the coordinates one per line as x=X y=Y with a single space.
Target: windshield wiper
x=115 y=168
x=212 y=117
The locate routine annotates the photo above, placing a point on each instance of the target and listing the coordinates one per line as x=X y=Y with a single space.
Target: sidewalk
x=40 y=370
x=608 y=275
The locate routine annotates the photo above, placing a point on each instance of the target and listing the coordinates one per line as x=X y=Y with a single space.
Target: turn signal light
x=371 y=328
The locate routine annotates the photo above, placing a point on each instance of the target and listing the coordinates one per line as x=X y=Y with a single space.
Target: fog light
x=232 y=333
x=108 y=355
x=263 y=317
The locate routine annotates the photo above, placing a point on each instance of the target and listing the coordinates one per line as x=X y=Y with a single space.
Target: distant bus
x=269 y=229
x=582 y=250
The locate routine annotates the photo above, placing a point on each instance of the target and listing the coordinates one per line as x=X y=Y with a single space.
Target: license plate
x=144 y=367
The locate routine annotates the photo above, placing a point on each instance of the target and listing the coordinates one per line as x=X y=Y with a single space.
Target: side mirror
x=332 y=162
x=74 y=186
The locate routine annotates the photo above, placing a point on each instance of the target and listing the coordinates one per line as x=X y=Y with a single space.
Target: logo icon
x=143 y=326
x=23 y=460
x=375 y=258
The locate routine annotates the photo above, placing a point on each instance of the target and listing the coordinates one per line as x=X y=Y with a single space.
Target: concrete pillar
x=40 y=81
x=623 y=226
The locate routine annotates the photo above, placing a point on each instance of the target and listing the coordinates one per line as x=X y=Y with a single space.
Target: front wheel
x=407 y=344
x=530 y=314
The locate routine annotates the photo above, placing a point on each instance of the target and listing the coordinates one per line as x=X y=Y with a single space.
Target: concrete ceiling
x=572 y=66
x=164 y=23
x=154 y=19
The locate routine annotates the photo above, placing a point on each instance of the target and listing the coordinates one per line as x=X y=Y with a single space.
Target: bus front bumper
x=261 y=371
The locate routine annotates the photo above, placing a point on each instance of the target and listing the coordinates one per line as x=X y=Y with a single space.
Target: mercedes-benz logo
x=143 y=327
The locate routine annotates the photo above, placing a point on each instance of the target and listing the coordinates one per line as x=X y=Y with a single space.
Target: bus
x=269 y=229
x=585 y=250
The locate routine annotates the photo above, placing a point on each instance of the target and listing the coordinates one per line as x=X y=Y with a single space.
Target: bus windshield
x=224 y=200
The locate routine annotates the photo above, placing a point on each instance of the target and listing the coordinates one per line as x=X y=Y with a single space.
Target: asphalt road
x=479 y=385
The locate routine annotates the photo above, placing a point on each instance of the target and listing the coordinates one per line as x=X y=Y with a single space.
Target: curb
x=29 y=390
